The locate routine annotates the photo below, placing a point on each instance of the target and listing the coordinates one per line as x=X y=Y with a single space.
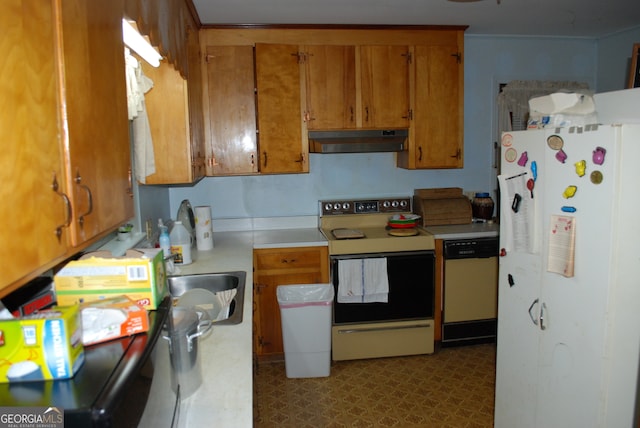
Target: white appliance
x=569 y=278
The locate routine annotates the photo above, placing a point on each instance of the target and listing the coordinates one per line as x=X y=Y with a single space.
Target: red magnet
x=503 y=252
x=530 y=185
x=598 y=155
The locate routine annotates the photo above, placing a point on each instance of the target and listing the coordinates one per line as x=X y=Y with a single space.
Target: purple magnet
x=561 y=155
x=524 y=158
x=598 y=155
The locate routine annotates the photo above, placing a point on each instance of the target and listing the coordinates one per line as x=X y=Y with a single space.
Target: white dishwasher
x=470 y=294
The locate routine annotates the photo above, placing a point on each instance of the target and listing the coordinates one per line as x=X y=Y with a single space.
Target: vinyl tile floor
x=452 y=388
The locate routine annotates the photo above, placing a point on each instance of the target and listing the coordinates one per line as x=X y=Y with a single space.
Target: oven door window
x=411 y=290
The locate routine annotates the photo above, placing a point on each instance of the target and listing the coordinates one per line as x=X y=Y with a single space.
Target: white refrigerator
x=568 y=341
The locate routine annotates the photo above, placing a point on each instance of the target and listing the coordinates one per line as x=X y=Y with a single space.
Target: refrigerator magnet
x=555 y=142
x=510 y=154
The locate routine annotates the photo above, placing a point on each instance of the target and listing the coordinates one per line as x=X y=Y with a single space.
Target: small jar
x=482 y=206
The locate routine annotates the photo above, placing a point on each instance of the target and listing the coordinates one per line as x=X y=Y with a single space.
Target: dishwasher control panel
x=471 y=248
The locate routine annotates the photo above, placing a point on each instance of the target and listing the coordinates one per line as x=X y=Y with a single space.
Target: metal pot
x=186 y=324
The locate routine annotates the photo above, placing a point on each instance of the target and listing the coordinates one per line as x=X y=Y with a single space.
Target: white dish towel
x=363 y=280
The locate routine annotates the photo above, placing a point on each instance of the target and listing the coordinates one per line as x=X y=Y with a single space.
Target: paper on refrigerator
x=518 y=214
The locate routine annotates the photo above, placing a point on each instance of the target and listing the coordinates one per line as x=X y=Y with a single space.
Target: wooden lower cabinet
x=281 y=266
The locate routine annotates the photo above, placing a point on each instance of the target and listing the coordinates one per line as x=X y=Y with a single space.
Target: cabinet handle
x=130 y=180
x=533 y=317
x=253 y=159
x=351 y=111
x=288 y=261
x=67 y=204
x=301 y=159
x=419 y=153
x=78 y=181
x=457 y=155
x=265 y=159
x=366 y=114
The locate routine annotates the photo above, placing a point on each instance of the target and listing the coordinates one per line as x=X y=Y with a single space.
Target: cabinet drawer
x=290 y=258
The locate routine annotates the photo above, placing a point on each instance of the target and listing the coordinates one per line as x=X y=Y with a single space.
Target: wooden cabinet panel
x=168 y=111
x=436 y=135
x=281 y=266
x=196 y=140
x=31 y=157
x=95 y=128
x=282 y=143
x=384 y=74
x=231 y=110
x=63 y=75
x=357 y=87
x=330 y=87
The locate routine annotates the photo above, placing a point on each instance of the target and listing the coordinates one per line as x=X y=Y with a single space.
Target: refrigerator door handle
x=543 y=309
x=533 y=317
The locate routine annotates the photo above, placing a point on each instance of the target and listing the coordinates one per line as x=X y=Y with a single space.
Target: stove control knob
x=386 y=204
x=328 y=207
x=336 y=206
x=346 y=206
x=404 y=203
x=395 y=204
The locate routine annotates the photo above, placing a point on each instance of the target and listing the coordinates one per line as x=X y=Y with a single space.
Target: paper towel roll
x=204 y=228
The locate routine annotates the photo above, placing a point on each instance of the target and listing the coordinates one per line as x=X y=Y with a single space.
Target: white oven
x=400 y=323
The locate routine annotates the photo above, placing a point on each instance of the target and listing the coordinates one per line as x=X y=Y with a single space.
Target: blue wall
x=489 y=61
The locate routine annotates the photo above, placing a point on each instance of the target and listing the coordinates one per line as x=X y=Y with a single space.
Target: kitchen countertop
x=225 y=398
x=464 y=231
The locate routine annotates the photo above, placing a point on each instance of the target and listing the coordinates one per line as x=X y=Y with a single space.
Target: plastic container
x=482 y=206
x=165 y=241
x=306 y=328
x=181 y=244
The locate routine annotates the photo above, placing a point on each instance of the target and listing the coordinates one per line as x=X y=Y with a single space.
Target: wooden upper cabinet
x=436 y=134
x=31 y=158
x=357 y=87
x=331 y=101
x=66 y=166
x=231 y=118
x=282 y=141
x=197 y=141
x=95 y=127
x=384 y=79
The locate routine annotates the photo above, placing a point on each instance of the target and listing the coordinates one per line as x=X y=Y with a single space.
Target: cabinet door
x=95 y=129
x=231 y=106
x=282 y=141
x=282 y=266
x=31 y=157
x=194 y=103
x=384 y=79
x=437 y=125
x=330 y=87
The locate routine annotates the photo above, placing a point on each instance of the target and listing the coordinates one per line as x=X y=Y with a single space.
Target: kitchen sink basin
x=215 y=283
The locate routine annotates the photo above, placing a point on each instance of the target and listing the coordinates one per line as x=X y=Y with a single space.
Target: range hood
x=358 y=141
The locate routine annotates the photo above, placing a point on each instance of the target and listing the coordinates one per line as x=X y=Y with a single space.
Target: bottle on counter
x=180 y=243
x=164 y=240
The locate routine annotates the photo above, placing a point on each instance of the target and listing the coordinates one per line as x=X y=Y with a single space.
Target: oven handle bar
x=367 y=330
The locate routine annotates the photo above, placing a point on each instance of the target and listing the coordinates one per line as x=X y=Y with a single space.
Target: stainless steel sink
x=216 y=283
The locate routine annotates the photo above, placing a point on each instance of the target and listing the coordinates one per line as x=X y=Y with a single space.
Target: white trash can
x=305 y=311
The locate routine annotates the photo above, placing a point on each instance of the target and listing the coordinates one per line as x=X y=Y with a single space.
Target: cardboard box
x=109 y=319
x=45 y=345
x=139 y=274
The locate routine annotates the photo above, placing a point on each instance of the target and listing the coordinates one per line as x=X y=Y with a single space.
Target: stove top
x=366 y=220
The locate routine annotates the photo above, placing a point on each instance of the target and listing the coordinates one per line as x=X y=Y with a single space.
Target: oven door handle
x=368 y=330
